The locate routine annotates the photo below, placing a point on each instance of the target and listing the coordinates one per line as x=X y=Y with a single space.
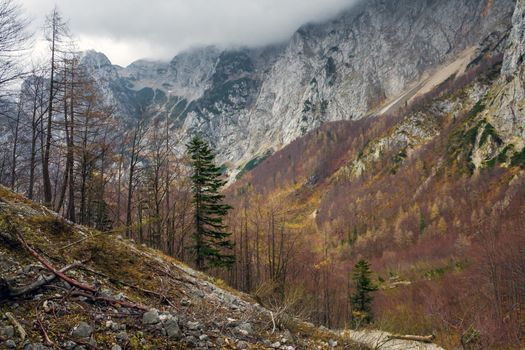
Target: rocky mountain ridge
x=251 y=102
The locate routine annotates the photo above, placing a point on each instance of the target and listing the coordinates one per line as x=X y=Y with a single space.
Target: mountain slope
x=251 y=101
x=433 y=196
x=143 y=299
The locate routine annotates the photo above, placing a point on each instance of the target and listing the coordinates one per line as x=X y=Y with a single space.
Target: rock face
x=506 y=102
x=249 y=101
x=515 y=51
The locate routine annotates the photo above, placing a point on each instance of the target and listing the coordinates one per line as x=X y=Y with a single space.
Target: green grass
x=253 y=163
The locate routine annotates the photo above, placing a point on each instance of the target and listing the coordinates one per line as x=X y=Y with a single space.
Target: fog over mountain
x=160 y=29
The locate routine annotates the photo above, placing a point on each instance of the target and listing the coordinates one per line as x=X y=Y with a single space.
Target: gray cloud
x=130 y=29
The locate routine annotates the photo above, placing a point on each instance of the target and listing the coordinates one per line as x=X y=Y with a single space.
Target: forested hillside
x=433 y=196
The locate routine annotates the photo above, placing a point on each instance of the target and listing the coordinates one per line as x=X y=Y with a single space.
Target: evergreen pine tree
x=361 y=299
x=210 y=236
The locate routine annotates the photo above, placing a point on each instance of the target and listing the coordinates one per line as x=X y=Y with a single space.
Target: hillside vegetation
x=142 y=299
x=432 y=196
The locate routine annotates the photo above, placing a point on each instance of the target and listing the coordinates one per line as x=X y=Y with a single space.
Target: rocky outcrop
x=505 y=106
x=247 y=101
x=515 y=52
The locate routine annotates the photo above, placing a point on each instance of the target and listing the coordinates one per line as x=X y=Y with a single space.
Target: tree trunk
x=15 y=145
x=46 y=177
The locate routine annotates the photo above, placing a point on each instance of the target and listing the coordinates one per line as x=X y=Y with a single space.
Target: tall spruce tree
x=361 y=299
x=211 y=237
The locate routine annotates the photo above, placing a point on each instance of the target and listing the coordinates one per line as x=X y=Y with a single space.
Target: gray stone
x=122 y=337
x=82 y=330
x=241 y=345
x=193 y=325
x=10 y=343
x=332 y=343
x=116 y=347
x=151 y=317
x=114 y=326
x=275 y=345
x=172 y=328
x=69 y=345
x=36 y=346
x=7 y=332
x=244 y=328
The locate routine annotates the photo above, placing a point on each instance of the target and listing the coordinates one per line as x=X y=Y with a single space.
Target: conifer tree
x=361 y=299
x=211 y=237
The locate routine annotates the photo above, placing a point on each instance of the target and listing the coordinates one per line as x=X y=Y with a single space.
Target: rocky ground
x=121 y=295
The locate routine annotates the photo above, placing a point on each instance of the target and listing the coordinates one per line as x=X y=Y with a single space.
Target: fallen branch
x=53 y=269
x=21 y=331
x=419 y=338
x=41 y=281
x=73 y=282
x=47 y=340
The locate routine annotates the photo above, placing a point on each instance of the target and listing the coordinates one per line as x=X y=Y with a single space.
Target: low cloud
x=158 y=29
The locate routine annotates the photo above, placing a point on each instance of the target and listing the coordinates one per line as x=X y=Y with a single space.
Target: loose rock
x=36 y=346
x=122 y=337
x=172 y=328
x=245 y=328
x=151 y=317
x=82 y=330
x=193 y=325
x=69 y=345
x=7 y=332
x=241 y=345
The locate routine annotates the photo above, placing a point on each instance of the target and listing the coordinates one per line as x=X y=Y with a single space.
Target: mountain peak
x=94 y=59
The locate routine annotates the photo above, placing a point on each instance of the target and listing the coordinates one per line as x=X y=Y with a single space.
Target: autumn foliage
x=447 y=245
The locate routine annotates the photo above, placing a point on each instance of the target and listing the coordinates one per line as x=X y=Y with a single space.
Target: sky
x=127 y=30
